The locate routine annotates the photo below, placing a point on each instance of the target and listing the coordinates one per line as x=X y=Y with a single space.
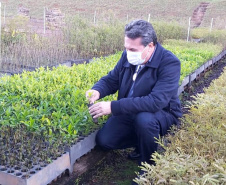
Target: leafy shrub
x=79 y=39
x=196 y=153
x=192 y=55
x=215 y=36
x=91 y=39
x=198 y=33
x=55 y=96
x=50 y=105
x=60 y=89
x=169 y=30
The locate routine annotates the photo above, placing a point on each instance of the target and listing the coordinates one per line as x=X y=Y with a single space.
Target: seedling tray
x=41 y=176
x=44 y=175
x=47 y=174
x=190 y=78
x=82 y=147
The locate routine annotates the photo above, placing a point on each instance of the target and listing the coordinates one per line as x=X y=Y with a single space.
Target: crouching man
x=146 y=78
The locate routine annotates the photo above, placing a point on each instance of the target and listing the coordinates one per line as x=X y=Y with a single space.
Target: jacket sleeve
x=165 y=88
x=109 y=84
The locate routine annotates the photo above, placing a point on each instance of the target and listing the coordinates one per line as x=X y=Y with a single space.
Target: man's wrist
x=116 y=108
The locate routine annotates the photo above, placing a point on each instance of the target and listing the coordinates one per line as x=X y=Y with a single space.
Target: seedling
x=90 y=94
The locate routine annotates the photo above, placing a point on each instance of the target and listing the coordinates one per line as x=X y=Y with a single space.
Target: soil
x=115 y=168
x=203 y=82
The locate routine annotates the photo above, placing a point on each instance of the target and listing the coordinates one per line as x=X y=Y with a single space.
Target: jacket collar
x=155 y=60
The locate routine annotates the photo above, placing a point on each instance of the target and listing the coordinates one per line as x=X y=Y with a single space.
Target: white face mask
x=134 y=58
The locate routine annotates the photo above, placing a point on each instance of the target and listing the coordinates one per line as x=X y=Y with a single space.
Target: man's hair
x=142 y=29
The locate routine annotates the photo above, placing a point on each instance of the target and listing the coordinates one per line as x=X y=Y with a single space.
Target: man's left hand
x=100 y=109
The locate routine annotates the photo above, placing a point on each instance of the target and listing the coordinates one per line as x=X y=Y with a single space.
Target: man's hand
x=92 y=95
x=100 y=109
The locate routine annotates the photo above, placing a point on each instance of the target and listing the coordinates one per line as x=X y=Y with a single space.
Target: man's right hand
x=92 y=95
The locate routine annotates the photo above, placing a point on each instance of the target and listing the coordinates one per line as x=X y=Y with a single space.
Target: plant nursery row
x=196 y=153
x=44 y=113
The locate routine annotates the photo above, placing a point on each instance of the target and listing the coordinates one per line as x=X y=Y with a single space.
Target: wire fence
x=99 y=11
x=56 y=18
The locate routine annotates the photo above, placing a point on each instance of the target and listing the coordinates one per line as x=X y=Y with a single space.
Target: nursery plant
x=195 y=153
x=45 y=111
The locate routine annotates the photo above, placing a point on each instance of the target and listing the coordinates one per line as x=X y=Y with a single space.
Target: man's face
x=134 y=45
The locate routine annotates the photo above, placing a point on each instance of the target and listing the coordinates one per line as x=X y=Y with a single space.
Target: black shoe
x=134 y=155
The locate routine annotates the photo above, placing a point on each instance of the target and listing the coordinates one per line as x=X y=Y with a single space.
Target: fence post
x=4 y=15
x=94 y=17
x=149 y=15
x=211 y=25
x=44 y=18
x=189 y=27
x=0 y=33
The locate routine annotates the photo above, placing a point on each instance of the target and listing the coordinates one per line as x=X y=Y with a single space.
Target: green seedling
x=90 y=94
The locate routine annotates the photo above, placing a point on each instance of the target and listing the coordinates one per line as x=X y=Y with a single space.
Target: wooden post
x=189 y=27
x=4 y=15
x=211 y=25
x=44 y=19
x=94 y=18
x=0 y=33
x=149 y=15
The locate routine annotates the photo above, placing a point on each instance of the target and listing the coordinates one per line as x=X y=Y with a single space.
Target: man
x=146 y=78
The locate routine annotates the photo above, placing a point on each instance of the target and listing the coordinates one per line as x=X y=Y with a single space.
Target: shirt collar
x=152 y=54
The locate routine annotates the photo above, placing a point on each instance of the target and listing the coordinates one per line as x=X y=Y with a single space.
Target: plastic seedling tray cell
x=218 y=58
x=185 y=81
x=206 y=65
x=214 y=61
x=210 y=62
x=82 y=147
x=180 y=90
x=192 y=77
x=199 y=70
x=37 y=175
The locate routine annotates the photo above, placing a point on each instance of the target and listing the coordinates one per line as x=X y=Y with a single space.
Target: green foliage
x=196 y=153
x=80 y=38
x=169 y=30
x=191 y=55
x=51 y=104
x=198 y=33
x=52 y=99
x=12 y=33
x=90 y=39
x=215 y=36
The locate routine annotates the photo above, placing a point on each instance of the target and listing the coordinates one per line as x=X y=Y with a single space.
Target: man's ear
x=151 y=45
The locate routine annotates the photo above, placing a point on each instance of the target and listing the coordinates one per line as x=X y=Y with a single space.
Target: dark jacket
x=155 y=87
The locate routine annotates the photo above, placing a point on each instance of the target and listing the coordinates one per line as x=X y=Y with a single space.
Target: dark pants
x=135 y=130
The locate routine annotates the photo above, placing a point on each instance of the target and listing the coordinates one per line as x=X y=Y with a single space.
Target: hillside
x=169 y=10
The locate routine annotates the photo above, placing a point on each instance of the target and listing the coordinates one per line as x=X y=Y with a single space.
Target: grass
x=114 y=169
x=160 y=10
x=215 y=36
